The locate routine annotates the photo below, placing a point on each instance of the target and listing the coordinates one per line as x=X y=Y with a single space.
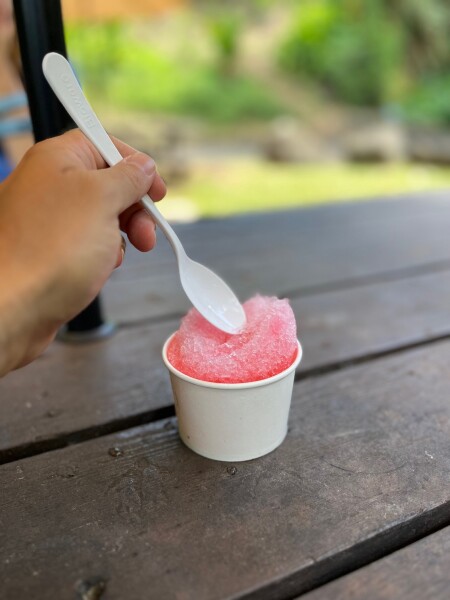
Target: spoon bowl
x=219 y=303
x=210 y=295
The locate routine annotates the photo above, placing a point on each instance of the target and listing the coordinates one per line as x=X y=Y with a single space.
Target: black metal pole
x=40 y=30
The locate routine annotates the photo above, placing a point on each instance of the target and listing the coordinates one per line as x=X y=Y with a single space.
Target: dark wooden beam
x=40 y=30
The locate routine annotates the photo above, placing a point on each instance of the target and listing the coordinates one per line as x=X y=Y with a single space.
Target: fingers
x=88 y=154
x=140 y=229
x=125 y=183
x=123 y=186
x=158 y=189
x=75 y=150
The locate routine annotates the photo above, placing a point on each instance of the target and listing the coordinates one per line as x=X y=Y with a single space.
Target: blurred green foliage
x=344 y=51
x=429 y=102
x=373 y=52
x=97 y=50
x=131 y=73
x=379 y=53
x=225 y=29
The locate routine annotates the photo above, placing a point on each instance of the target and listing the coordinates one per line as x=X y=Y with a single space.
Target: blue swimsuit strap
x=14 y=126
x=12 y=101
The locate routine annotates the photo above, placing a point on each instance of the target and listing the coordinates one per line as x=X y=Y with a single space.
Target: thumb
x=126 y=182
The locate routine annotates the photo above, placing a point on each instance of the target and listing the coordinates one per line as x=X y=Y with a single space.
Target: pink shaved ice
x=265 y=347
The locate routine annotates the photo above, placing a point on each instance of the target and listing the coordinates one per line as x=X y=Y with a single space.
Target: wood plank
x=252 y=229
x=419 y=571
x=105 y=385
x=76 y=392
x=363 y=471
x=277 y=253
x=342 y=326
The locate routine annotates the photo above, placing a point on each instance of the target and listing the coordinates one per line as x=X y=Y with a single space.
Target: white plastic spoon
x=208 y=293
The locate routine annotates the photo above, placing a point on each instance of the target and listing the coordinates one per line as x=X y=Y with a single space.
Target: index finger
x=77 y=146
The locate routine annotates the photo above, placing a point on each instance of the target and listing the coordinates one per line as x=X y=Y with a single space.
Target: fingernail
x=142 y=161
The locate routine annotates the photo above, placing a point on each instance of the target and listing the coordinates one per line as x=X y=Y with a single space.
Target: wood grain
x=419 y=571
x=278 y=253
x=84 y=389
x=364 y=470
x=76 y=392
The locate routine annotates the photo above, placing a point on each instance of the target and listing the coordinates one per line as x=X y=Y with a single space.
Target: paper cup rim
x=230 y=386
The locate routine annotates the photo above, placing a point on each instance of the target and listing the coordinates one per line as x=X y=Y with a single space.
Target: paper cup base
x=232 y=422
x=237 y=457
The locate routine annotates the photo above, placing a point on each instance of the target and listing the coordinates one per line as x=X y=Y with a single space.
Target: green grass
x=239 y=186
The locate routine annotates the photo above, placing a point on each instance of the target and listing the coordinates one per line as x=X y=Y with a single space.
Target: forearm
x=12 y=322
x=24 y=327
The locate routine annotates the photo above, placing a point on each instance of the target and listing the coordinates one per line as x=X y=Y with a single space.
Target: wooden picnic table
x=100 y=499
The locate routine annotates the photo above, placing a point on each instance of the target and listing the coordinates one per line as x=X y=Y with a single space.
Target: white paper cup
x=232 y=421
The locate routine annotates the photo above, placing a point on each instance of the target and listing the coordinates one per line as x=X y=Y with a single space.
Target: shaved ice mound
x=265 y=347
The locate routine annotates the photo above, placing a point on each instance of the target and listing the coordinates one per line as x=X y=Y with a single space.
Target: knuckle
x=73 y=135
x=36 y=149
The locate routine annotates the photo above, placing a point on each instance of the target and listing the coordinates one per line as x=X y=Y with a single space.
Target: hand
x=60 y=214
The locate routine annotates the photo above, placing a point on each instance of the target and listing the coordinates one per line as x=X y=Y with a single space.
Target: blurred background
x=267 y=104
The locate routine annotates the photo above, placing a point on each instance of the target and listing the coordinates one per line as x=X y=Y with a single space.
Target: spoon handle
x=64 y=84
